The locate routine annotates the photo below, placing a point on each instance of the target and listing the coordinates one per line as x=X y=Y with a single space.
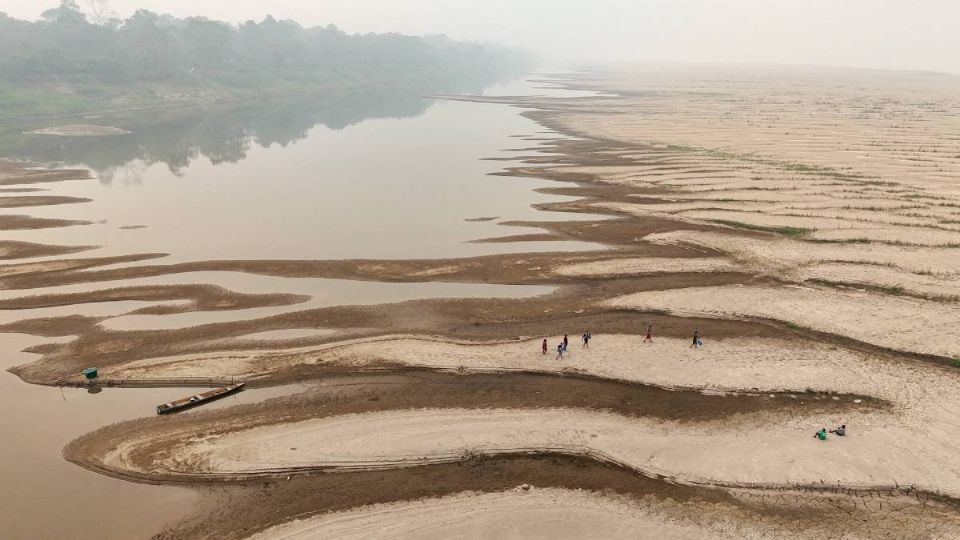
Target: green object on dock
x=90 y=373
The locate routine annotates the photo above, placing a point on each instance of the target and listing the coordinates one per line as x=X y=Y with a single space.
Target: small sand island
x=79 y=130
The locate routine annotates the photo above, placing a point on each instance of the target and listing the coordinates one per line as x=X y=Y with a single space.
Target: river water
x=380 y=188
x=389 y=177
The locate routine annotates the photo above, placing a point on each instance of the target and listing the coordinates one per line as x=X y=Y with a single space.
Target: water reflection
x=221 y=133
x=383 y=188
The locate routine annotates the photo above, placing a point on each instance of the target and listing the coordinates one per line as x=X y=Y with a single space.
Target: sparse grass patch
x=894 y=290
x=931 y=272
x=877 y=183
x=897 y=290
x=792 y=232
x=887 y=242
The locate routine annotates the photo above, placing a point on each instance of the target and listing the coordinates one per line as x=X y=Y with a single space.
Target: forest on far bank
x=70 y=61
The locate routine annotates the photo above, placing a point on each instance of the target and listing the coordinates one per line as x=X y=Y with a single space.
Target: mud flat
x=518 y=513
x=527 y=512
x=407 y=438
x=577 y=481
x=806 y=221
x=523 y=512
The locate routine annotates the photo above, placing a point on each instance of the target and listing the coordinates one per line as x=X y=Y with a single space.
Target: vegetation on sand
x=785 y=231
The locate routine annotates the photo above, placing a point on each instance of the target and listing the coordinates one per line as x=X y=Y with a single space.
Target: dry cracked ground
x=805 y=221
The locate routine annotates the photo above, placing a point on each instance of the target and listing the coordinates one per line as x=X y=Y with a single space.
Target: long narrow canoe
x=199 y=399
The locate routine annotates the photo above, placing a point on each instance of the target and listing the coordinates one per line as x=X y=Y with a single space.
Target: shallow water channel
x=388 y=183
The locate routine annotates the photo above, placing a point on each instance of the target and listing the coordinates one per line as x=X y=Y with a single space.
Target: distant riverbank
x=65 y=65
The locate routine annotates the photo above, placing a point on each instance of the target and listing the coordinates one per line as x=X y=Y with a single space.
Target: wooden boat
x=199 y=399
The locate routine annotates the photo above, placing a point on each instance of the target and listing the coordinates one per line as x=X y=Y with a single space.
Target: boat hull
x=198 y=399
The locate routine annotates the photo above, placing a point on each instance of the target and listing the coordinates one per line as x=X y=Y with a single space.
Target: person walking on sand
x=649 y=338
x=696 y=340
x=544 y=346
x=565 y=342
x=586 y=340
x=559 y=351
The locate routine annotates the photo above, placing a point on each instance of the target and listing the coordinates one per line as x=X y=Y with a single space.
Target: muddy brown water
x=43 y=496
x=387 y=184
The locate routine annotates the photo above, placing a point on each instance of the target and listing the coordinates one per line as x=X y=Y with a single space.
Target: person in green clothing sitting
x=822 y=434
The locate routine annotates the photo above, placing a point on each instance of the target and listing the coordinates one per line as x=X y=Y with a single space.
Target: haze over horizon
x=855 y=33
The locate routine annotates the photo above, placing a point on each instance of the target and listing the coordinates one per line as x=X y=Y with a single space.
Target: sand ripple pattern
x=517 y=514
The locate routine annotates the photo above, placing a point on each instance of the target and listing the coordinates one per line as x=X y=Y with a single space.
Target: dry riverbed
x=806 y=222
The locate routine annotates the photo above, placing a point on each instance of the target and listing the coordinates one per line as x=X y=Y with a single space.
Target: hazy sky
x=906 y=34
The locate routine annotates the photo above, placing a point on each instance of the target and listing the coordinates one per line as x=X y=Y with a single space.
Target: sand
x=946 y=288
x=738 y=455
x=780 y=255
x=618 y=267
x=760 y=364
x=518 y=514
x=922 y=420
x=902 y=324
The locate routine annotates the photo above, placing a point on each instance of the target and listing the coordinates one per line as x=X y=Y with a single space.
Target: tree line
x=67 y=47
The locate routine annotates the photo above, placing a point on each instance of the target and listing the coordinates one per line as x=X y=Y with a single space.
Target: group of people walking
x=587 y=336
x=562 y=346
